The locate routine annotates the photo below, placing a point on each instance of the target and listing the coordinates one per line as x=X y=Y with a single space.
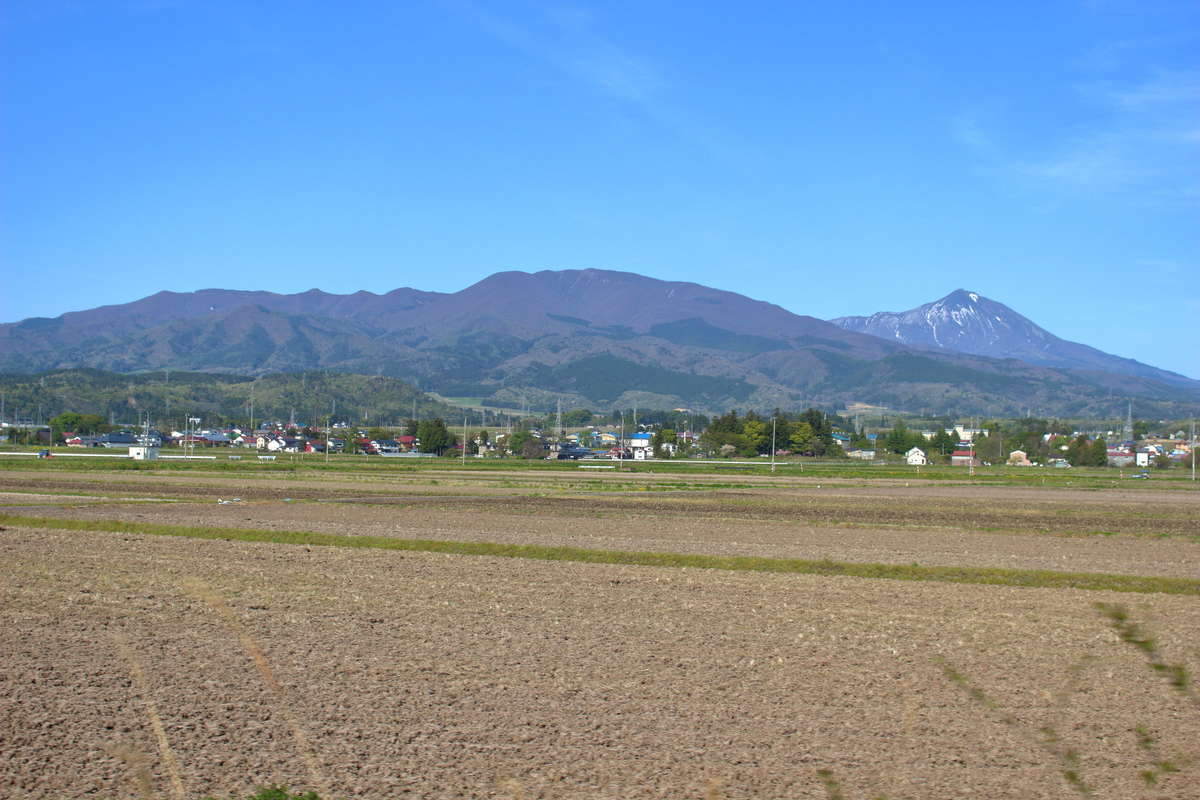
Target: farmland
x=372 y=632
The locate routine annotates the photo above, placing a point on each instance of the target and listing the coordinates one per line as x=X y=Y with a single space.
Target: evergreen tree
x=434 y=436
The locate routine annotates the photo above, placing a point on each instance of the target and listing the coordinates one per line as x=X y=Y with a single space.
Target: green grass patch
x=996 y=576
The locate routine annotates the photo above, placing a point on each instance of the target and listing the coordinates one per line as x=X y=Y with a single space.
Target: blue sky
x=834 y=158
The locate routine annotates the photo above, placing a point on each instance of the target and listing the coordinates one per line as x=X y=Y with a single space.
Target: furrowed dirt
x=387 y=674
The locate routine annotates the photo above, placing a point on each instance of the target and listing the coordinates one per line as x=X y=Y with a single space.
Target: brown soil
x=963 y=507
x=409 y=674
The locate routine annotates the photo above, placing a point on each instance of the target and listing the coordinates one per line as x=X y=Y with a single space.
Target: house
x=1120 y=456
x=119 y=439
x=865 y=455
x=915 y=457
x=639 y=441
x=284 y=444
x=1018 y=458
x=964 y=458
x=842 y=440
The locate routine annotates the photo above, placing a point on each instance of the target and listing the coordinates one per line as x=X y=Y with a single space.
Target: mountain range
x=602 y=338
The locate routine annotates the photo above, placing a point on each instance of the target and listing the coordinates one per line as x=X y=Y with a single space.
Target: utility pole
x=621 y=443
x=464 y=441
x=1193 y=449
x=773 y=421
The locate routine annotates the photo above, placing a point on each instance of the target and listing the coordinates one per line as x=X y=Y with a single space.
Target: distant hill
x=968 y=322
x=592 y=338
x=307 y=397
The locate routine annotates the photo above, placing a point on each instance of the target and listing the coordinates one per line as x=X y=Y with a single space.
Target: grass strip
x=996 y=576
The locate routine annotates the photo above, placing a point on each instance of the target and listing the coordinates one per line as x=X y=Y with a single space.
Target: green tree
x=822 y=427
x=434 y=436
x=533 y=448
x=783 y=429
x=942 y=443
x=802 y=438
x=726 y=423
x=666 y=436
x=577 y=417
x=516 y=442
x=757 y=434
x=1079 y=452
x=898 y=438
x=723 y=433
x=76 y=423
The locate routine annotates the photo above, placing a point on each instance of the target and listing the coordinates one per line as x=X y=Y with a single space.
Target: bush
x=277 y=793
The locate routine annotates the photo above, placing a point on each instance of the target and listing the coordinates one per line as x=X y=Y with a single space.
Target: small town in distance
x=675 y=435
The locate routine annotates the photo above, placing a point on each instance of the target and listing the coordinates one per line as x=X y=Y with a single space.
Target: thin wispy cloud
x=1163 y=91
x=565 y=38
x=1141 y=137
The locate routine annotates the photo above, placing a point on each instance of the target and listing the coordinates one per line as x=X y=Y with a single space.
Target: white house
x=915 y=457
x=966 y=434
x=639 y=441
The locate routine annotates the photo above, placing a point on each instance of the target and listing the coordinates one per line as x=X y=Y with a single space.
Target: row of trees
x=83 y=424
x=1084 y=453
x=900 y=440
x=809 y=433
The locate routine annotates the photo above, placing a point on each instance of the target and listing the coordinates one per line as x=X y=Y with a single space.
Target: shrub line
x=997 y=576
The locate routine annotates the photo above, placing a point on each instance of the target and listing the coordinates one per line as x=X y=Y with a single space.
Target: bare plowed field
x=208 y=667
x=1125 y=532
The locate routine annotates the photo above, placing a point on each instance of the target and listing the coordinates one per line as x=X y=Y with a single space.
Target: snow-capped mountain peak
x=968 y=322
